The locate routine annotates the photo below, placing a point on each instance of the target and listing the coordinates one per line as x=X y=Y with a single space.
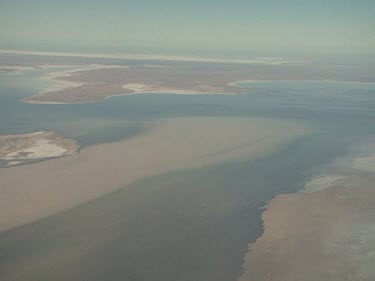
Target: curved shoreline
x=238 y=83
x=324 y=232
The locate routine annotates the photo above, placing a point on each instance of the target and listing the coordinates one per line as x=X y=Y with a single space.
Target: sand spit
x=20 y=149
x=19 y=69
x=240 y=83
x=78 y=86
x=34 y=191
x=326 y=232
x=86 y=86
x=5 y=69
x=70 y=72
x=159 y=57
x=138 y=88
x=73 y=91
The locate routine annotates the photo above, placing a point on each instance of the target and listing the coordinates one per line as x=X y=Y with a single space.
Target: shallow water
x=330 y=105
x=186 y=225
x=189 y=225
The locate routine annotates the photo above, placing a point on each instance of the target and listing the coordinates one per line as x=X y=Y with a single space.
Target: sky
x=221 y=27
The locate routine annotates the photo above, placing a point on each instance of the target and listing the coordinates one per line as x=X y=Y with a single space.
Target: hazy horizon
x=294 y=28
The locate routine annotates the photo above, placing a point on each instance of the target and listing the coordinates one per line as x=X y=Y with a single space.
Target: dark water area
x=184 y=225
x=187 y=225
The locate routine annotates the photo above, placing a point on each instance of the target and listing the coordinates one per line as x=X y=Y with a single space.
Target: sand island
x=26 y=148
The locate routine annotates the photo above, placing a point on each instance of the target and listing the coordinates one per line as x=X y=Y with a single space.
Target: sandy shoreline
x=48 y=187
x=324 y=232
x=4 y=69
x=18 y=69
x=149 y=89
x=238 y=83
x=97 y=82
x=60 y=84
x=68 y=89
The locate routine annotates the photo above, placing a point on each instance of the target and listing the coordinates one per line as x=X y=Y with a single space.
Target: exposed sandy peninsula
x=325 y=232
x=23 y=148
x=99 y=82
x=40 y=189
x=64 y=91
x=138 y=88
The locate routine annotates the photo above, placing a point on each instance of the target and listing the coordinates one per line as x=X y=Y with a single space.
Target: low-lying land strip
x=325 y=232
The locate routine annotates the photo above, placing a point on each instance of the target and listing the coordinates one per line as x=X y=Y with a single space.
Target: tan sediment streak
x=37 y=190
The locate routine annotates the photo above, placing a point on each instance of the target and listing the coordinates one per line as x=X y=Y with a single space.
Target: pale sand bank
x=138 y=88
x=18 y=69
x=241 y=82
x=34 y=191
x=158 y=57
x=5 y=69
x=324 y=233
x=19 y=149
x=323 y=182
x=50 y=95
x=365 y=163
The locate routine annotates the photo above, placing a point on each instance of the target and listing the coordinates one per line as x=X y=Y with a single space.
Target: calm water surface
x=186 y=225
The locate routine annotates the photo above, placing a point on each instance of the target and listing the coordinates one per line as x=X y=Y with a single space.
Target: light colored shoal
x=139 y=88
x=17 y=69
x=14 y=69
x=41 y=149
x=37 y=190
x=18 y=149
x=323 y=182
x=365 y=163
x=61 y=85
x=158 y=57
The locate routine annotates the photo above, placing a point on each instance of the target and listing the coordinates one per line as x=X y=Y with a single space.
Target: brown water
x=190 y=224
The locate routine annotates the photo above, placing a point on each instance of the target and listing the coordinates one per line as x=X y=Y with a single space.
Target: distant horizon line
x=161 y=57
